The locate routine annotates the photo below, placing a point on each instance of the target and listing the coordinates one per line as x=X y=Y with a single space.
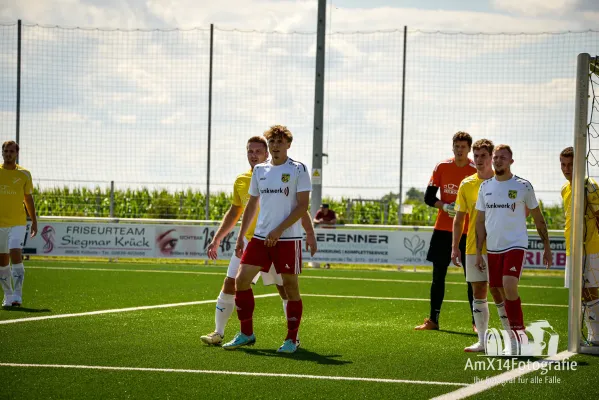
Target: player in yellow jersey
x=465 y=204
x=16 y=186
x=257 y=153
x=590 y=275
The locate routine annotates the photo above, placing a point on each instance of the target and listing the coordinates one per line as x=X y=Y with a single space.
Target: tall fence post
x=207 y=211
x=318 y=109
x=403 y=107
x=111 y=199
x=18 y=110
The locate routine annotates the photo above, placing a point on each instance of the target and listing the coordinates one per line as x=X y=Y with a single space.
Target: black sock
x=470 y=294
x=437 y=290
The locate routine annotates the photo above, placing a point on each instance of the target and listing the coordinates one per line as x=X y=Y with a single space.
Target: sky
x=132 y=106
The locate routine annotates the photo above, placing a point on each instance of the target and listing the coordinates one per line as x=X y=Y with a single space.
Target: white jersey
x=277 y=187
x=504 y=204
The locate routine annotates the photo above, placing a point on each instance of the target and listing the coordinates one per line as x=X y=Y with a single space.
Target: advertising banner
x=347 y=246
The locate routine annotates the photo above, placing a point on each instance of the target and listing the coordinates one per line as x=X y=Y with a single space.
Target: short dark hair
x=324 y=205
x=504 y=147
x=8 y=143
x=568 y=152
x=462 y=137
x=483 y=144
x=258 y=139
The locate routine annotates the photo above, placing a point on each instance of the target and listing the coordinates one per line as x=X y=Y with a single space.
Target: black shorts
x=439 y=251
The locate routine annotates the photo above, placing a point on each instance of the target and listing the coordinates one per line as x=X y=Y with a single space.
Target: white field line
x=302 y=277
x=493 y=381
x=118 y=310
x=262 y=374
x=415 y=299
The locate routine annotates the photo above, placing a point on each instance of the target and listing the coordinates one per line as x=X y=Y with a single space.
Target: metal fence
x=133 y=107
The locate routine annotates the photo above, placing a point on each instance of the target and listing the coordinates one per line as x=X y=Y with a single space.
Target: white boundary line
x=241 y=373
x=119 y=310
x=493 y=381
x=342 y=278
x=415 y=299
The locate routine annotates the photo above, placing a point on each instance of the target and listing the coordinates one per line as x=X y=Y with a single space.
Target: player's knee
x=229 y=285
x=282 y=292
x=4 y=259
x=479 y=290
x=496 y=294
x=16 y=256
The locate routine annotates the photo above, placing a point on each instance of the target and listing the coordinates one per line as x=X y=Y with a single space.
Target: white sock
x=505 y=323
x=225 y=304
x=480 y=309
x=591 y=315
x=18 y=276
x=5 y=281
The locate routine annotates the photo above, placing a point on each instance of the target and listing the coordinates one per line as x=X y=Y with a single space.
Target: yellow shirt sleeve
x=461 y=204
x=28 y=184
x=236 y=197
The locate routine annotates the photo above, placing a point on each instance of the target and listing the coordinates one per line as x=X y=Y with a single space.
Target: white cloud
x=536 y=7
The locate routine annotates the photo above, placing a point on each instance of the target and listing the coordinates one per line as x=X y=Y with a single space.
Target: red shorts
x=509 y=263
x=286 y=256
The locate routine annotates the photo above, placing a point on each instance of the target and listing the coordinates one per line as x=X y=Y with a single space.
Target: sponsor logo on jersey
x=285 y=178
x=511 y=206
x=284 y=191
x=7 y=190
x=512 y=194
x=450 y=188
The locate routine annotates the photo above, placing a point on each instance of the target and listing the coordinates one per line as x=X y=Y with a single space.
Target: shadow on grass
x=459 y=333
x=301 y=354
x=26 y=310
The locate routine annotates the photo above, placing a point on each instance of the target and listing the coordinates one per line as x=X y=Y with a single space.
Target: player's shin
x=18 y=277
x=244 y=300
x=225 y=304
x=591 y=319
x=480 y=309
x=294 y=316
x=505 y=323
x=5 y=281
x=513 y=309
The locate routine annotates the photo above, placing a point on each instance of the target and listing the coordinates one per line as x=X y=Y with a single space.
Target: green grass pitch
x=357 y=337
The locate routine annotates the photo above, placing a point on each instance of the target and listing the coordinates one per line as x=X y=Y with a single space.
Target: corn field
x=144 y=203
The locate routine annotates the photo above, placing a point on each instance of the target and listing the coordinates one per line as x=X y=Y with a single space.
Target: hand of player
x=239 y=246
x=273 y=237
x=311 y=244
x=480 y=263
x=547 y=258
x=33 y=228
x=449 y=209
x=213 y=249
x=456 y=257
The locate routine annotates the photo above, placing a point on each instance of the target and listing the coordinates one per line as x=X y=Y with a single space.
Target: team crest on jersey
x=512 y=194
x=285 y=178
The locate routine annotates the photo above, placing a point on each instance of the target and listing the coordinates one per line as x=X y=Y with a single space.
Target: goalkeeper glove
x=449 y=209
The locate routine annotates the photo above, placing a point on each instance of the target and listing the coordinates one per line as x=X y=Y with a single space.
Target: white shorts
x=474 y=274
x=12 y=238
x=268 y=278
x=591 y=271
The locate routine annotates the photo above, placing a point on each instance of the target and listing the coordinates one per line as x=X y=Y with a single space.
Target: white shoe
x=16 y=301
x=477 y=347
x=7 y=301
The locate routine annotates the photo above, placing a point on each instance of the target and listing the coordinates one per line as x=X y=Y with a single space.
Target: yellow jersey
x=241 y=196
x=592 y=205
x=466 y=203
x=14 y=185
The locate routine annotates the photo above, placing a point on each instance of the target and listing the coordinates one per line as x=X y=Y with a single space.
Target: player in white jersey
x=257 y=153
x=502 y=207
x=16 y=188
x=282 y=186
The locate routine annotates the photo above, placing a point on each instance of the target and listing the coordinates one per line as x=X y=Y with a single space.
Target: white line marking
x=342 y=278
x=266 y=374
x=119 y=310
x=414 y=299
x=481 y=386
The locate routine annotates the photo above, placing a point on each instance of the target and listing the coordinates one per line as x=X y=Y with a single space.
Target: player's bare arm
x=481 y=236
x=303 y=201
x=458 y=228
x=246 y=221
x=310 y=238
x=541 y=225
x=230 y=219
x=30 y=205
